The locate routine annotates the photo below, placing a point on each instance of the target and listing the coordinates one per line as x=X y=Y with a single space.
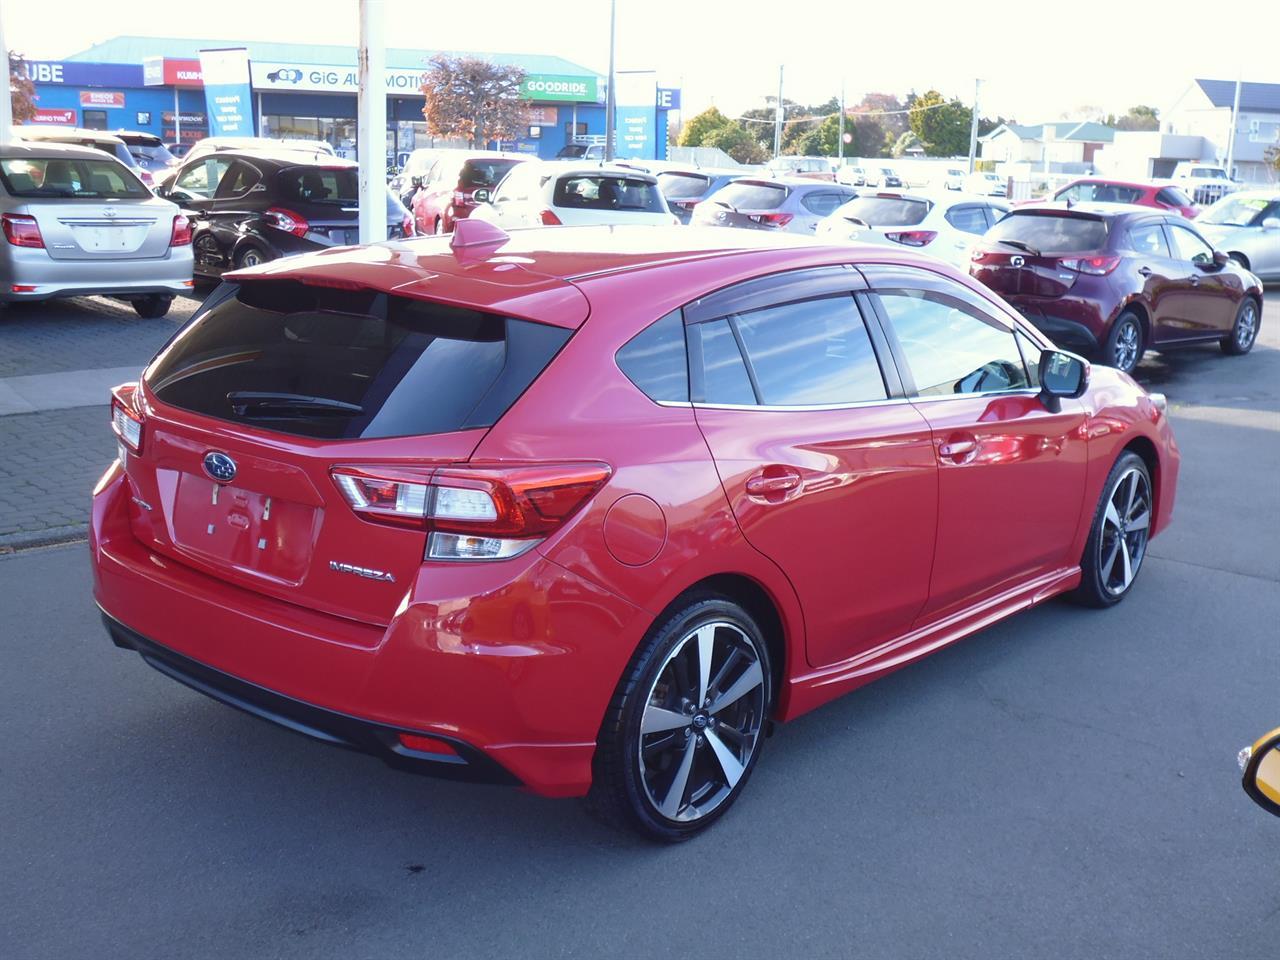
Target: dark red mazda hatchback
x=586 y=509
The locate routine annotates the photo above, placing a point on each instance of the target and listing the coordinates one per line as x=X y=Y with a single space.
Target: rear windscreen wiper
x=242 y=401
x=1021 y=246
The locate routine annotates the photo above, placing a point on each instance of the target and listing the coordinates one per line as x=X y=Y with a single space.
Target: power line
x=855 y=114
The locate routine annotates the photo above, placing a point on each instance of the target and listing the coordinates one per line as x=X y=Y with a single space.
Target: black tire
x=1244 y=332
x=153 y=306
x=1125 y=343
x=1241 y=259
x=1103 y=582
x=251 y=257
x=625 y=785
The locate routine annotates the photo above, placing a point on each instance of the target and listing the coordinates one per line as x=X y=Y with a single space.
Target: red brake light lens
x=21 y=230
x=287 y=220
x=126 y=421
x=913 y=238
x=388 y=495
x=1094 y=266
x=421 y=744
x=181 y=235
x=771 y=219
x=549 y=219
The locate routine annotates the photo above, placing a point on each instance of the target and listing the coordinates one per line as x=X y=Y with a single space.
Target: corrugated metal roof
x=131 y=49
x=1262 y=97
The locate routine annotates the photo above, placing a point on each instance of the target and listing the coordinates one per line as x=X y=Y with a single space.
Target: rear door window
x=823 y=202
x=967 y=219
x=201 y=179
x=239 y=179
x=751 y=196
x=341 y=364
x=484 y=173
x=654 y=360
x=596 y=192
x=1051 y=232
x=1148 y=239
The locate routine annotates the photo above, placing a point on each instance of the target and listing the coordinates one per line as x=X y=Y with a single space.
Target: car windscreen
x=594 y=191
x=346 y=364
x=1234 y=211
x=751 y=195
x=886 y=211
x=65 y=178
x=574 y=151
x=1051 y=232
x=484 y=173
x=679 y=186
x=313 y=184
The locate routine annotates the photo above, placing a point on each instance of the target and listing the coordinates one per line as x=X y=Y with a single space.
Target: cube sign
x=101 y=98
x=546 y=86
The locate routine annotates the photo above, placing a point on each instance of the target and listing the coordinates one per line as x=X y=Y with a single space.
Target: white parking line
x=58 y=391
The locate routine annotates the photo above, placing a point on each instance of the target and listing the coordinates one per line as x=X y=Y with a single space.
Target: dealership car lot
x=1083 y=799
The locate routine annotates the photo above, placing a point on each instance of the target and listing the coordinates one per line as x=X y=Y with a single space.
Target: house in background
x=1204 y=110
x=1067 y=146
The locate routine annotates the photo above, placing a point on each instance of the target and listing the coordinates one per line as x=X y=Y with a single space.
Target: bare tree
x=470 y=99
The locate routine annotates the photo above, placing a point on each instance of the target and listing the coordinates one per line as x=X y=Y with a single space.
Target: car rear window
x=346 y=364
x=748 y=195
x=310 y=184
x=678 y=186
x=484 y=173
x=63 y=178
x=593 y=191
x=1051 y=232
x=887 y=211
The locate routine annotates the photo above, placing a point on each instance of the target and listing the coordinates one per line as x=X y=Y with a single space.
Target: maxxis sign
x=543 y=86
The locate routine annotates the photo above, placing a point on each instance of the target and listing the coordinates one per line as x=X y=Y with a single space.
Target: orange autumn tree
x=470 y=99
x=22 y=91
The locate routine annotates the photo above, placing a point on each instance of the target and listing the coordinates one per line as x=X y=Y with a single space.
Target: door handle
x=957 y=449
x=1145 y=271
x=772 y=484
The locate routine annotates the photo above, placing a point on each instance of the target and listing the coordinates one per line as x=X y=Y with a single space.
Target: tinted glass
x=319 y=184
x=1174 y=197
x=967 y=219
x=596 y=192
x=1030 y=356
x=952 y=348
x=720 y=369
x=682 y=185
x=1235 y=211
x=811 y=352
x=1148 y=240
x=886 y=211
x=237 y=181
x=322 y=362
x=1104 y=193
x=654 y=360
x=823 y=202
x=202 y=178
x=484 y=173
x=751 y=196
x=1187 y=246
x=56 y=177
x=1052 y=232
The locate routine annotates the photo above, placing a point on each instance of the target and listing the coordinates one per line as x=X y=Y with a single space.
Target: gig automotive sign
x=403 y=81
x=227 y=95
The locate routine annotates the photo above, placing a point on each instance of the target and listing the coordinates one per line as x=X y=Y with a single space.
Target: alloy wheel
x=250 y=258
x=1126 y=347
x=1246 y=325
x=1126 y=525
x=702 y=721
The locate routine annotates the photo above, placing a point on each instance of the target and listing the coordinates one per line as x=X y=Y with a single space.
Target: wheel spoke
x=728 y=762
x=1140 y=522
x=1133 y=493
x=1128 y=562
x=706 y=646
x=1112 y=516
x=659 y=719
x=1109 y=563
x=748 y=680
x=679 y=784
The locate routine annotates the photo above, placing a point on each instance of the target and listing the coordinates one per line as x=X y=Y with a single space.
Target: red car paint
x=1133 y=191
x=864 y=549
x=448 y=191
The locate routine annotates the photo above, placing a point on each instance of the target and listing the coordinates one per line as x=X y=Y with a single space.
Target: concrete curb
x=28 y=539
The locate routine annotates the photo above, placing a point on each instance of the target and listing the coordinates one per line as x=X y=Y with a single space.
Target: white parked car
x=943 y=224
x=575 y=194
x=953 y=178
x=1205 y=183
x=986 y=184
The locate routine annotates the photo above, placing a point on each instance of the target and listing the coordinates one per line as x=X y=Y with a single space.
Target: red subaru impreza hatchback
x=585 y=509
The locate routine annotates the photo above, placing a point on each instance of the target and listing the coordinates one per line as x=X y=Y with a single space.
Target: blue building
x=308 y=91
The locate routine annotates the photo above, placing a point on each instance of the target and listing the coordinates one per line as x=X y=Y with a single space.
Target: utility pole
x=1235 y=122
x=777 y=119
x=610 y=101
x=973 y=127
x=840 y=141
x=371 y=122
x=6 y=106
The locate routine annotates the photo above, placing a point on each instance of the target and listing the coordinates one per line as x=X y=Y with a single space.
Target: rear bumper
x=1076 y=325
x=169 y=275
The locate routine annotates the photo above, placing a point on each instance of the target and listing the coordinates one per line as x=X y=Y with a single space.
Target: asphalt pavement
x=1062 y=785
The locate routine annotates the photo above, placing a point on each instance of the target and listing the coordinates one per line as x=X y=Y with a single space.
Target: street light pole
x=1231 y=136
x=610 y=101
x=371 y=124
x=840 y=140
x=973 y=127
x=777 y=119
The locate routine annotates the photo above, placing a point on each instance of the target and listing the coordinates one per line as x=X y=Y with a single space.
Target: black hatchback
x=247 y=207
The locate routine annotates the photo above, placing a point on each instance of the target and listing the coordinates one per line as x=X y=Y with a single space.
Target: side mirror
x=1062 y=374
x=1271 y=223
x=480 y=196
x=1261 y=765
x=1220 y=259
x=416 y=181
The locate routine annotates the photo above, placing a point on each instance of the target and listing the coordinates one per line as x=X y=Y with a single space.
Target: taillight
x=474 y=513
x=126 y=421
x=549 y=219
x=771 y=219
x=913 y=238
x=21 y=230
x=1094 y=266
x=181 y=234
x=407 y=225
x=460 y=197
x=287 y=220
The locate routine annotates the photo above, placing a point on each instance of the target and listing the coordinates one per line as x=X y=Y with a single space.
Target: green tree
x=467 y=98
x=21 y=90
x=904 y=143
x=1139 y=117
x=698 y=128
x=884 y=108
x=942 y=125
x=866 y=138
x=737 y=142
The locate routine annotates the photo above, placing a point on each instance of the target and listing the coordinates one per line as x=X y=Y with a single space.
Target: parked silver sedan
x=760 y=203
x=77 y=222
x=1246 y=227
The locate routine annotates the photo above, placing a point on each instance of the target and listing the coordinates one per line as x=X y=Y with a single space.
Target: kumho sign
x=543 y=86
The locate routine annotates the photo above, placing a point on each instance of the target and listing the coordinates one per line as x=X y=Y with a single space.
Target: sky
x=1037 y=61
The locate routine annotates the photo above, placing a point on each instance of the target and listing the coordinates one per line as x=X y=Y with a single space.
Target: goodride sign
x=227 y=95
x=543 y=86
